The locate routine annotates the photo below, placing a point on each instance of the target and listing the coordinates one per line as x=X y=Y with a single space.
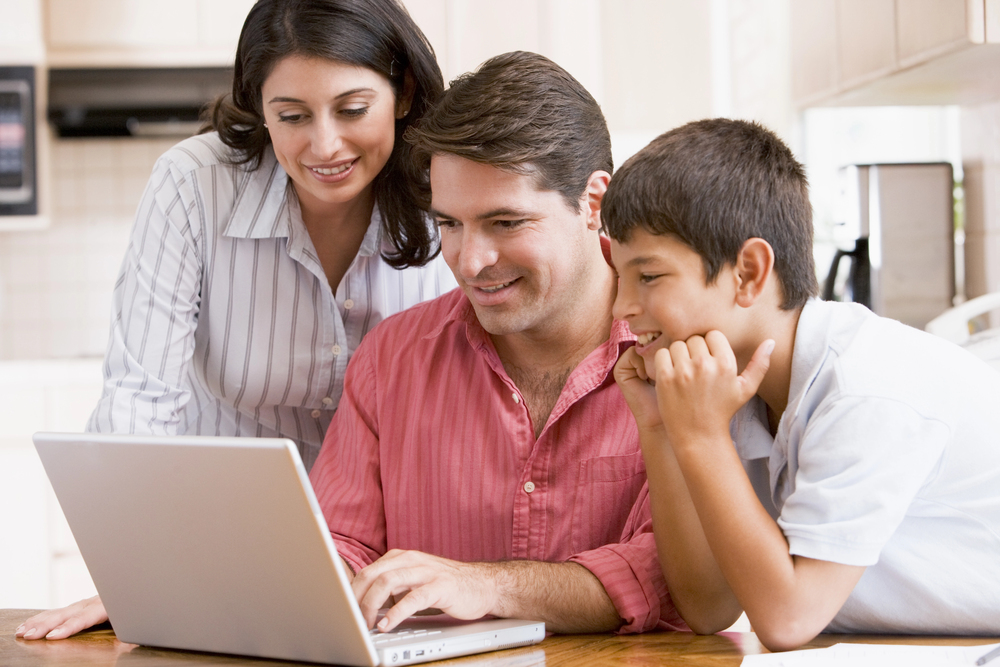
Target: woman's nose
x=326 y=140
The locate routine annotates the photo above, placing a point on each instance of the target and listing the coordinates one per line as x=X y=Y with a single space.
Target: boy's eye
x=648 y=277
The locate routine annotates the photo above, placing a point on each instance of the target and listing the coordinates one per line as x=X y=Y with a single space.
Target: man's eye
x=445 y=223
x=510 y=224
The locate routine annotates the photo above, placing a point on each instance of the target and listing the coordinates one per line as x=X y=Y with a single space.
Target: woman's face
x=332 y=126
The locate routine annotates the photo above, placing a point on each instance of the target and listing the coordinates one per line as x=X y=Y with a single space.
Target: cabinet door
x=925 y=28
x=814 y=49
x=866 y=40
x=220 y=22
x=121 y=24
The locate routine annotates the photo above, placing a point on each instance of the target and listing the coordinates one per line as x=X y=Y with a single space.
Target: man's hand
x=61 y=623
x=420 y=581
x=698 y=389
x=632 y=379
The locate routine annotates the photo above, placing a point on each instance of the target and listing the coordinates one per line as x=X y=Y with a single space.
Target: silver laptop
x=218 y=544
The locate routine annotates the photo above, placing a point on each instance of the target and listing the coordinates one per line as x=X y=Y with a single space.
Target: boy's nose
x=625 y=305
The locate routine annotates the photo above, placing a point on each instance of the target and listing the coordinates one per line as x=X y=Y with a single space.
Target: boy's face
x=662 y=292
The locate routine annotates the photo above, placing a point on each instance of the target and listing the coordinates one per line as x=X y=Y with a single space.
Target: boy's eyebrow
x=639 y=261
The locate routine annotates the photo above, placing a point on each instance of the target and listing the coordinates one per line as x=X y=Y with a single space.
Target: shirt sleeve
x=346 y=475
x=631 y=574
x=154 y=313
x=861 y=462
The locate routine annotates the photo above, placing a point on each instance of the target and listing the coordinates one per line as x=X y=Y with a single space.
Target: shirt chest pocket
x=607 y=488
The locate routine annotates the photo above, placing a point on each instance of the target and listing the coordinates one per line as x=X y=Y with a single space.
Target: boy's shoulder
x=846 y=350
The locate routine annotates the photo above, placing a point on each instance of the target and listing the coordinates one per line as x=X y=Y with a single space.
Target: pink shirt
x=432 y=448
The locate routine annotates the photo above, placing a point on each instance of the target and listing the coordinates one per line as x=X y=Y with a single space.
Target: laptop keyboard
x=398 y=635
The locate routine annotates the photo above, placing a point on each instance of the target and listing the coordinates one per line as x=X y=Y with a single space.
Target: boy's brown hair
x=714 y=184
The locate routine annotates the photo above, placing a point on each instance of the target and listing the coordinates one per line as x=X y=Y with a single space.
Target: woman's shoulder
x=199 y=152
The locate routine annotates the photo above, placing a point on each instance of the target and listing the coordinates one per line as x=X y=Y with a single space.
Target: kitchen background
x=842 y=81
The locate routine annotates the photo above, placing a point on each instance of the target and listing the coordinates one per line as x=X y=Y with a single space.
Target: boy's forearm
x=697 y=586
x=788 y=600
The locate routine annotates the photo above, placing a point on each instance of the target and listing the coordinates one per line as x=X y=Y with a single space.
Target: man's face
x=516 y=251
x=662 y=292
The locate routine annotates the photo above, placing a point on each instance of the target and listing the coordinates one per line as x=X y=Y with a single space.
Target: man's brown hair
x=714 y=184
x=522 y=113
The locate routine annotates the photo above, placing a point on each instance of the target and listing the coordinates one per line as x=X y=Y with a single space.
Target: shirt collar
x=261 y=207
x=811 y=335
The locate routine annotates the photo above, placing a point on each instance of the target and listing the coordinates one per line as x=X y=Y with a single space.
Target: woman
x=263 y=252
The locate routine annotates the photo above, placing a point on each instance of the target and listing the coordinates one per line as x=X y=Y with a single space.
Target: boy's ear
x=754 y=270
x=592 y=196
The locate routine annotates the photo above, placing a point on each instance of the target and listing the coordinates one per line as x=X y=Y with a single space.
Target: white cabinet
x=21 y=32
x=136 y=33
x=40 y=559
x=895 y=52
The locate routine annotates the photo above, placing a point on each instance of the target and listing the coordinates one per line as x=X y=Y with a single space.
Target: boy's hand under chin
x=638 y=390
x=698 y=389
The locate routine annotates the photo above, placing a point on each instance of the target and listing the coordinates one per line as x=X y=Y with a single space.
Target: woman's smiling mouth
x=332 y=171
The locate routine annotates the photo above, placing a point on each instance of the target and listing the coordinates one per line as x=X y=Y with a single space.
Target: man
x=482 y=460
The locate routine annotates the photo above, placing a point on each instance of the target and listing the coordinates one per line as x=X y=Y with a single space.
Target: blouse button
x=517 y=399
x=349 y=304
x=529 y=487
x=336 y=350
x=316 y=414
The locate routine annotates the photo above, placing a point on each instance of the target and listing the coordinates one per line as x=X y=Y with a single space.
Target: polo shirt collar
x=811 y=343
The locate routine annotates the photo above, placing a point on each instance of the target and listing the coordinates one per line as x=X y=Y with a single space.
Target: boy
x=863 y=491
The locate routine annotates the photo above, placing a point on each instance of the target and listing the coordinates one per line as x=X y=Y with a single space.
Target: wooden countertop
x=100 y=648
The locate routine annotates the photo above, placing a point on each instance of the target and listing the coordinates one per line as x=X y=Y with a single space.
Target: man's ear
x=592 y=196
x=754 y=270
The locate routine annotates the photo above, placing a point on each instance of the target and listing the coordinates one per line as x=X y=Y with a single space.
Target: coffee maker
x=895 y=228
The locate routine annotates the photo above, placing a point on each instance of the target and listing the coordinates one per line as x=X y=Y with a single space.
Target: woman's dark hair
x=376 y=34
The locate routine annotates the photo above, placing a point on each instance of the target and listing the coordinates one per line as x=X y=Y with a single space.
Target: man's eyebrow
x=502 y=212
x=346 y=93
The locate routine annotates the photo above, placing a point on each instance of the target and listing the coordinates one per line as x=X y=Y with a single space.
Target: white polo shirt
x=887 y=456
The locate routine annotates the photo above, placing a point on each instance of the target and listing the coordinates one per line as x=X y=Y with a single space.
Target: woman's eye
x=355 y=113
x=290 y=118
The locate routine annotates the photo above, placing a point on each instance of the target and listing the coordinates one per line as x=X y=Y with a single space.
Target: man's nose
x=477 y=252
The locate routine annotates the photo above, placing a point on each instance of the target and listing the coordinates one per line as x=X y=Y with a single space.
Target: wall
x=981 y=165
x=56 y=283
